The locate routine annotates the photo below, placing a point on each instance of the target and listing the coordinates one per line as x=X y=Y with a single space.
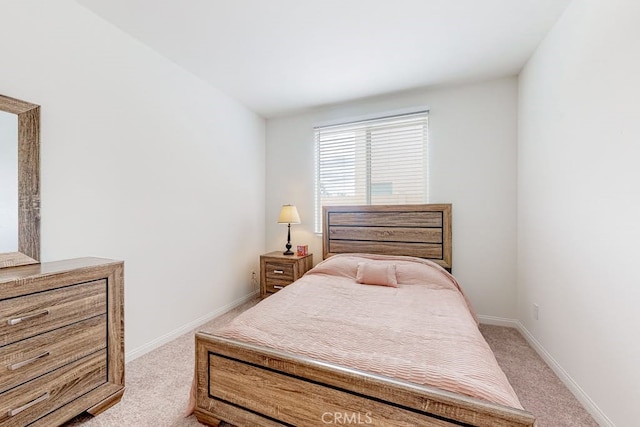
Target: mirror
x=8 y=182
x=19 y=182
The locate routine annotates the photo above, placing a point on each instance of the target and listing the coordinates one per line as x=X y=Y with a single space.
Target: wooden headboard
x=422 y=231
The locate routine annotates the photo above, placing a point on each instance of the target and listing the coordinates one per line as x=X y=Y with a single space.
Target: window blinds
x=380 y=161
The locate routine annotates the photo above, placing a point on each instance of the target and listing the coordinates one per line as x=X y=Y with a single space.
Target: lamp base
x=288 y=245
x=288 y=251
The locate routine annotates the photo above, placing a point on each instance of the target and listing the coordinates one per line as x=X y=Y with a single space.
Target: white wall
x=472 y=133
x=579 y=201
x=141 y=161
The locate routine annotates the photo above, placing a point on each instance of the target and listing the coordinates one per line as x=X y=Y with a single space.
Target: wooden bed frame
x=422 y=231
x=249 y=385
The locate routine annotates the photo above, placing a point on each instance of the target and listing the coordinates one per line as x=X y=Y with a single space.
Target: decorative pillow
x=382 y=274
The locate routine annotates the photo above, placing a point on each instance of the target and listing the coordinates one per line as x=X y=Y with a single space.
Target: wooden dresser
x=278 y=270
x=61 y=340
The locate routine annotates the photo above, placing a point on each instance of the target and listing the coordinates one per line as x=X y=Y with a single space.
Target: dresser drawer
x=25 y=360
x=29 y=315
x=31 y=401
x=274 y=285
x=279 y=271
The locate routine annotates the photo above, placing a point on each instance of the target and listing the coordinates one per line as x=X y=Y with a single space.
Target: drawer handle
x=27 y=317
x=278 y=287
x=27 y=362
x=14 y=412
x=278 y=271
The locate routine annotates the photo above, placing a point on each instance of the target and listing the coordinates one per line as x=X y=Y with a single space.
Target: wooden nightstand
x=278 y=271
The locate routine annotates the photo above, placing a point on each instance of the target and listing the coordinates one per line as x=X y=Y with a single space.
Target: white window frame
x=364 y=126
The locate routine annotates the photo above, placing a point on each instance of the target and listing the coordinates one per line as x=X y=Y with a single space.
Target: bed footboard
x=245 y=384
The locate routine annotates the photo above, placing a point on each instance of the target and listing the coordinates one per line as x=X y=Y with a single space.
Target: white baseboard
x=498 y=321
x=160 y=341
x=564 y=376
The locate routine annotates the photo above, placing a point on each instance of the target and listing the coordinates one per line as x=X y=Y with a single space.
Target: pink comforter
x=423 y=331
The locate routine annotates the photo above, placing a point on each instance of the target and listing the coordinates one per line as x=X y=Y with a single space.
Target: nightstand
x=278 y=270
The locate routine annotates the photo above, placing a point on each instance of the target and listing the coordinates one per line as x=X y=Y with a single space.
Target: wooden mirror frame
x=28 y=183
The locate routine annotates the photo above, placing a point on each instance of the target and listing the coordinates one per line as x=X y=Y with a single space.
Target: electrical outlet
x=254 y=278
x=536 y=311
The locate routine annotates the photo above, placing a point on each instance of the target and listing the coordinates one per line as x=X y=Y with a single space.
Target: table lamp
x=288 y=215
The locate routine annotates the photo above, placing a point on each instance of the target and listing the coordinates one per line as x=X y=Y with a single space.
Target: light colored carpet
x=538 y=388
x=157 y=384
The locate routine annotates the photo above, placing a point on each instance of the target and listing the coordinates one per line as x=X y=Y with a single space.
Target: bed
x=329 y=349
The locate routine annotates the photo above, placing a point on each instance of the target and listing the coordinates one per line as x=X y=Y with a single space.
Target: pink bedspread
x=423 y=331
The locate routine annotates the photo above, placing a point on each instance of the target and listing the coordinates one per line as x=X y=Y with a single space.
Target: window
x=372 y=162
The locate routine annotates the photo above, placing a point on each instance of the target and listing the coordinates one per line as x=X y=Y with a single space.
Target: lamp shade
x=289 y=215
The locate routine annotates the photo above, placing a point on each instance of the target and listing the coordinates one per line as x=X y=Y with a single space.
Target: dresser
x=278 y=270
x=61 y=340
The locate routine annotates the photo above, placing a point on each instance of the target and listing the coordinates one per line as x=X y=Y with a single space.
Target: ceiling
x=282 y=56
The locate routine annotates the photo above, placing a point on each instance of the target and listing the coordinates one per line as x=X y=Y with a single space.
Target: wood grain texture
x=107 y=402
x=278 y=270
x=421 y=250
x=85 y=288
x=387 y=234
x=299 y=391
x=422 y=231
x=229 y=412
x=298 y=399
x=386 y=216
x=63 y=385
x=52 y=275
x=28 y=251
x=63 y=306
x=115 y=326
x=60 y=347
x=105 y=392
